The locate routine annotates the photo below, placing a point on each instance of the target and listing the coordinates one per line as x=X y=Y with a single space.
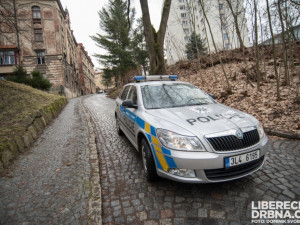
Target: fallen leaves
x=281 y=115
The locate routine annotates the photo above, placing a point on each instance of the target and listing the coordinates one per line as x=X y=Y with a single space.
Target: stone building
x=86 y=71
x=40 y=38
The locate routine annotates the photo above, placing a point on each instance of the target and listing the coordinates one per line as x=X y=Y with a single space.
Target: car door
x=121 y=115
x=131 y=113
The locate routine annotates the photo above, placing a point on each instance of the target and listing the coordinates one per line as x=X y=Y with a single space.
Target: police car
x=183 y=134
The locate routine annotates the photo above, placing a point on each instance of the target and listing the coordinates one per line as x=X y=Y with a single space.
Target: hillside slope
x=280 y=115
x=24 y=111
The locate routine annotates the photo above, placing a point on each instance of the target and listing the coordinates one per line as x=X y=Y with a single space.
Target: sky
x=85 y=20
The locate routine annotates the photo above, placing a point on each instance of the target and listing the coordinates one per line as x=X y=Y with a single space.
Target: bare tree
x=14 y=28
x=258 y=74
x=286 y=70
x=235 y=13
x=155 y=39
x=214 y=43
x=8 y=20
x=274 y=52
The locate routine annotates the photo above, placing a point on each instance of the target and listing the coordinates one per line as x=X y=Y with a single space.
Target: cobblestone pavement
x=50 y=183
x=129 y=199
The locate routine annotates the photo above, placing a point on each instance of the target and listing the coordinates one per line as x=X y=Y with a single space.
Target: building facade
x=186 y=17
x=86 y=71
x=40 y=38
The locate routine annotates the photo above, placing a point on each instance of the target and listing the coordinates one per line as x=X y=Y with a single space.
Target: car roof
x=144 y=83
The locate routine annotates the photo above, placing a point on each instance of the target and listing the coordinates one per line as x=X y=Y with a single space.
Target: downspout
x=17 y=32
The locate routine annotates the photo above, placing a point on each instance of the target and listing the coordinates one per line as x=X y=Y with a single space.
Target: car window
x=133 y=95
x=173 y=95
x=124 y=92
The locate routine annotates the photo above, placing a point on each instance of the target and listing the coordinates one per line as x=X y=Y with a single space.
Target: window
x=40 y=57
x=184 y=22
x=183 y=15
x=8 y=58
x=186 y=38
x=181 y=0
x=225 y=36
x=38 y=34
x=133 y=95
x=182 y=7
x=125 y=92
x=221 y=6
x=36 y=14
x=186 y=30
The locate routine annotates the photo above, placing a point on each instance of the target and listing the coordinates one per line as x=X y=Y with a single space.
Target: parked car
x=100 y=92
x=185 y=135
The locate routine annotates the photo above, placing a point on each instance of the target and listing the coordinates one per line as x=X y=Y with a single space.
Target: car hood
x=204 y=119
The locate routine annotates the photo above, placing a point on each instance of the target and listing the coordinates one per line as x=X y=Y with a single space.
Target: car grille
x=237 y=171
x=231 y=142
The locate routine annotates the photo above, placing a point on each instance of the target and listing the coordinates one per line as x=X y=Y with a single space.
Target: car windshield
x=172 y=95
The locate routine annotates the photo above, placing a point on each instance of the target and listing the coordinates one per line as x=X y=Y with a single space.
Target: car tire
x=148 y=161
x=119 y=131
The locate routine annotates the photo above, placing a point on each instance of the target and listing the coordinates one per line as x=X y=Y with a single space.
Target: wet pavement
x=127 y=198
x=51 y=183
x=55 y=182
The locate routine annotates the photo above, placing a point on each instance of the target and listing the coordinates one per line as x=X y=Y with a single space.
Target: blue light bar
x=155 y=78
x=173 y=77
x=139 y=78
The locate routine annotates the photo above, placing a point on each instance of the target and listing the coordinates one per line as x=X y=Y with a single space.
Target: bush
x=36 y=81
x=19 y=76
x=39 y=82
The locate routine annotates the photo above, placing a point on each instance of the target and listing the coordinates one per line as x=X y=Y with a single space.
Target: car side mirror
x=212 y=96
x=129 y=104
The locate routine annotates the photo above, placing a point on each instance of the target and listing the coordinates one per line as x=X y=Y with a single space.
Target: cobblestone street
x=50 y=183
x=129 y=199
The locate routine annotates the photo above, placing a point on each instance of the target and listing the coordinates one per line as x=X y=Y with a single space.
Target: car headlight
x=175 y=141
x=260 y=130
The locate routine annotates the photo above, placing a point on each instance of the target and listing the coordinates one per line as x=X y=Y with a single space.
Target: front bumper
x=210 y=166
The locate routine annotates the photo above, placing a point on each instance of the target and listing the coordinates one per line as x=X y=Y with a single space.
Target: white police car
x=185 y=135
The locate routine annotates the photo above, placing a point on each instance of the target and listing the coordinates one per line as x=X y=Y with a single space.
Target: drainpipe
x=17 y=32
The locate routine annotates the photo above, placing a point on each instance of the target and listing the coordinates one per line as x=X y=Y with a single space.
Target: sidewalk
x=57 y=180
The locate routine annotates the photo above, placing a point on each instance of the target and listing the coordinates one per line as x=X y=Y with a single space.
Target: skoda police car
x=183 y=134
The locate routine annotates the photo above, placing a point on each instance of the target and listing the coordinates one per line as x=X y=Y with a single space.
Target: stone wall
x=32 y=127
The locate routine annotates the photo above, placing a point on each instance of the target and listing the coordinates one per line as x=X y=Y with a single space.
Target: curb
x=282 y=134
x=95 y=199
x=29 y=131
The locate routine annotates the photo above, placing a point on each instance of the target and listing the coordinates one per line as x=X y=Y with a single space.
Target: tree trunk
x=286 y=69
x=236 y=24
x=215 y=46
x=273 y=49
x=256 y=47
x=210 y=55
x=155 y=40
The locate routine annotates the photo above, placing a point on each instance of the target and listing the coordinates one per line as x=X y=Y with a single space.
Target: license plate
x=241 y=159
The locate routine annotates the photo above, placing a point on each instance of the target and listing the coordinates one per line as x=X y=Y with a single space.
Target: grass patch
x=18 y=101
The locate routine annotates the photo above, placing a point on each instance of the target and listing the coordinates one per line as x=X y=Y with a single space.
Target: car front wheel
x=148 y=161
